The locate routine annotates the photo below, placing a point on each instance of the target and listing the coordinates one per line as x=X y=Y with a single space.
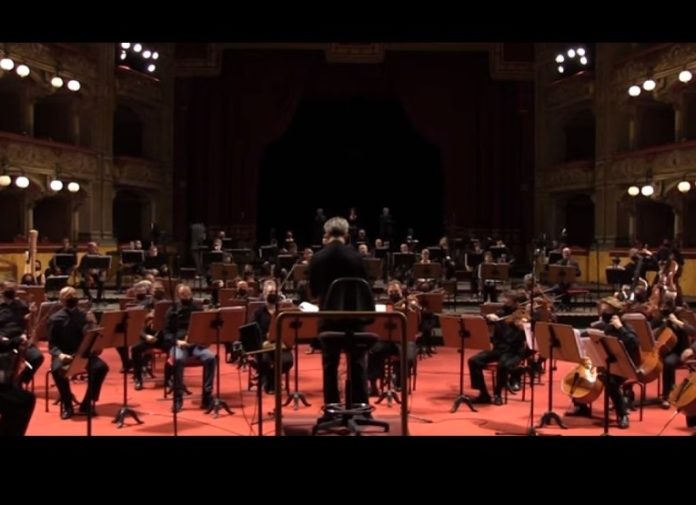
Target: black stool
x=348 y=294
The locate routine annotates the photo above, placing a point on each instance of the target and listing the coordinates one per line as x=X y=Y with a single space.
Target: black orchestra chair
x=349 y=294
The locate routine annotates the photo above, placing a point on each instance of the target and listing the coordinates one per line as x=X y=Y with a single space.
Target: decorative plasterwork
x=138 y=172
x=41 y=159
x=576 y=175
x=138 y=87
x=570 y=91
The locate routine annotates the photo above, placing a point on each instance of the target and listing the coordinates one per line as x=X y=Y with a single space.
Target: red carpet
x=437 y=387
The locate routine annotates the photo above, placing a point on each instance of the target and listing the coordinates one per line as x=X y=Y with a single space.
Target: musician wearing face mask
x=683 y=331
x=610 y=323
x=65 y=332
x=263 y=317
x=562 y=288
x=91 y=277
x=149 y=338
x=175 y=337
x=509 y=346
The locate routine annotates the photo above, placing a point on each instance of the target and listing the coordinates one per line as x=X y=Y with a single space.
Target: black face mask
x=159 y=295
x=9 y=294
x=272 y=298
x=186 y=302
x=666 y=312
x=395 y=297
x=140 y=297
x=606 y=317
x=241 y=292
x=71 y=303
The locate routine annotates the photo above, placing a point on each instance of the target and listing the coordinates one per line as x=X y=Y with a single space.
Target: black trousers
x=35 y=359
x=266 y=368
x=330 y=357
x=96 y=376
x=97 y=282
x=489 y=291
x=669 y=372
x=16 y=409
x=181 y=355
x=613 y=386
x=138 y=351
x=380 y=352
x=506 y=362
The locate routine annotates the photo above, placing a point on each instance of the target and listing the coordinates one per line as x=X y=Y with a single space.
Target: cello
x=683 y=396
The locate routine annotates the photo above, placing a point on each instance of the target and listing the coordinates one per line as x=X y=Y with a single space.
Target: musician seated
x=14 y=315
x=175 y=337
x=425 y=257
x=610 y=323
x=562 y=288
x=128 y=268
x=66 y=248
x=362 y=237
x=66 y=328
x=363 y=251
x=263 y=317
x=683 y=331
x=155 y=263
x=307 y=256
x=91 y=277
x=149 y=338
x=643 y=260
x=508 y=349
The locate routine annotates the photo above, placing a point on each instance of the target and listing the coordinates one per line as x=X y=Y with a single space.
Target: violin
x=583 y=384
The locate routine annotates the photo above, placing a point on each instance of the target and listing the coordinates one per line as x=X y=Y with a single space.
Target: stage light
x=583 y=60
x=74 y=85
x=73 y=187
x=580 y=51
x=137 y=47
x=123 y=55
x=6 y=64
x=560 y=58
x=22 y=182
x=146 y=54
x=685 y=76
x=571 y=53
x=647 y=190
x=125 y=45
x=5 y=180
x=56 y=185
x=155 y=55
x=649 y=85
x=634 y=90
x=634 y=190
x=22 y=70
x=57 y=82
x=561 y=69
x=151 y=67
x=684 y=186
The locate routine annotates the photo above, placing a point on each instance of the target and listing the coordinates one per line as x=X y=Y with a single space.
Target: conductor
x=334 y=261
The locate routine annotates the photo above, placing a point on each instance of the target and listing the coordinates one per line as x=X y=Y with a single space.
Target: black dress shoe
x=178 y=404
x=497 y=400
x=579 y=411
x=138 y=384
x=482 y=399
x=207 y=401
x=66 y=413
x=623 y=422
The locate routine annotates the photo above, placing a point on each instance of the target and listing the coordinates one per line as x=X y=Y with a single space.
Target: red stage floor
x=437 y=386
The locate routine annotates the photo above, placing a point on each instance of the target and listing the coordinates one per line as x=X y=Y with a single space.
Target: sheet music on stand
x=427 y=270
x=495 y=271
x=560 y=274
x=587 y=350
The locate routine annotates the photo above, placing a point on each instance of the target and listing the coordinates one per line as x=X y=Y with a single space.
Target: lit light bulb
x=147 y=54
x=571 y=53
x=155 y=55
x=647 y=190
x=22 y=70
x=649 y=85
x=74 y=85
x=634 y=90
x=5 y=180
x=73 y=187
x=6 y=64
x=685 y=76
x=151 y=67
x=57 y=82
x=56 y=185
x=137 y=47
x=123 y=55
x=583 y=60
x=634 y=190
x=22 y=182
x=684 y=186
x=560 y=58
x=125 y=45
x=580 y=51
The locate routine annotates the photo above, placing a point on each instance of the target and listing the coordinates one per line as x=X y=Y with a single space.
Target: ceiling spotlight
x=580 y=51
x=571 y=53
x=151 y=67
x=147 y=54
x=647 y=190
x=137 y=47
x=583 y=60
x=123 y=55
x=125 y=45
x=57 y=82
x=22 y=182
x=634 y=90
x=74 y=85
x=649 y=85
x=634 y=190
x=684 y=186
x=685 y=76
x=155 y=55
x=6 y=64
x=5 y=180
x=73 y=187
x=56 y=185
x=22 y=70
x=560 y=58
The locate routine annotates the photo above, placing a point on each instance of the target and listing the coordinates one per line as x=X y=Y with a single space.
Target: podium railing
x=334 y=315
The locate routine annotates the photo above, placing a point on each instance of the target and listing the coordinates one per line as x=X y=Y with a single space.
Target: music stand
x=252 y=344
x=613 y=352
x=436 y=254
x=555 y=257
x=268 y=252
x=285 y=261
x=300 y=329
x=403 y=260
x=555 y=341
x=381 y=252
x=132 y=257
x=121 y=328
x=460 y=333
x=210 y=257
x=54 y=283
x=81 y=362
x=65 y=262
x=427 y=271
x=242 y=256
x=495 y=271
x=615 y=277
x=373 y=266
x=205 y=329
x=562 y=274
x=223 y=272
